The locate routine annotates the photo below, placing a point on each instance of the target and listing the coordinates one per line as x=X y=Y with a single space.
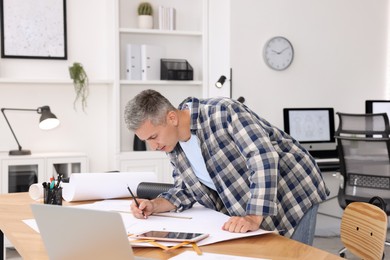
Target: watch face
x=278 y=53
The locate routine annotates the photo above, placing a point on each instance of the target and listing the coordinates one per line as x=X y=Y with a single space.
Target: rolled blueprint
x=93 y=186
x=150 y=190
x=36 y=191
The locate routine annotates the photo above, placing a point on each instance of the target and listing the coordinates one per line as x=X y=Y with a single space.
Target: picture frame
x=33 y=29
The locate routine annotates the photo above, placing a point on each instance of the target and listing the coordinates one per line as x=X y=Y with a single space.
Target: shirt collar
x=194 y=111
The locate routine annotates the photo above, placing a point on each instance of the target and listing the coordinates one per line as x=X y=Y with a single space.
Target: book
x=166 y=18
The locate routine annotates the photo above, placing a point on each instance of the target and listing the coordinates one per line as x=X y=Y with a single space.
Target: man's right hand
x=148 y=207
x=144 y=210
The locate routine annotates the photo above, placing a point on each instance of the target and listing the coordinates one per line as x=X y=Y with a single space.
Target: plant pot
x=145 y=22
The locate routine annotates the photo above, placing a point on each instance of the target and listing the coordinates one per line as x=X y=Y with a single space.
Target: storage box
x=176 y=69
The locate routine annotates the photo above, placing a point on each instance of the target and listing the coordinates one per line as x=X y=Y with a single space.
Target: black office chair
x=364 y=151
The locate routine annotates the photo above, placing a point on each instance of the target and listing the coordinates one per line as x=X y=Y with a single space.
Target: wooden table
x=15 y=207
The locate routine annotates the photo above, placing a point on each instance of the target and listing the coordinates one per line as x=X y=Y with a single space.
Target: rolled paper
x=36 y=191
x=150 y=190
x=94 y=186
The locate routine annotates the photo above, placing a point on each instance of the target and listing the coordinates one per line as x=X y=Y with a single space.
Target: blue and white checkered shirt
x=256 y=168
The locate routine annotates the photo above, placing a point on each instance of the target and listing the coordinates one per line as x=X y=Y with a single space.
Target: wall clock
x=278 y=53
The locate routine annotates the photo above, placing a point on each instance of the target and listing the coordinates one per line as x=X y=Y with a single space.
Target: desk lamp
x=47 y=121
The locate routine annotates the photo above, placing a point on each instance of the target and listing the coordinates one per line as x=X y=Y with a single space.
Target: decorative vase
x=145 y=21
x=138 y=144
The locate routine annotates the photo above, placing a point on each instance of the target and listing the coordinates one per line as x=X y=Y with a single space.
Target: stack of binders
x=143 y=61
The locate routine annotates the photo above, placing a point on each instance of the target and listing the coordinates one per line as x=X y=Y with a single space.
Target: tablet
x=171 y=236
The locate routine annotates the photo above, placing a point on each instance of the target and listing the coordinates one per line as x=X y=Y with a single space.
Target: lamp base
x=19 y=152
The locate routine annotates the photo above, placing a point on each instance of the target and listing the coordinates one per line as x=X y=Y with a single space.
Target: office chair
x=364 y=229
x=363 y=145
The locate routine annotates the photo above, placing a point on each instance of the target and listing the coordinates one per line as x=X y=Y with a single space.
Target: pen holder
x=52 y=196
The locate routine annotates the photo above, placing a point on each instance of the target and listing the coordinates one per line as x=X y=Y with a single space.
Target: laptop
x=71 y=233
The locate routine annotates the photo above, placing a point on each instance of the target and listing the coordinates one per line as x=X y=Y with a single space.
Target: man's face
x=162 y=137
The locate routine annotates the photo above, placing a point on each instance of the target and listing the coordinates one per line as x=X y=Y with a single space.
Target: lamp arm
x=6 y=119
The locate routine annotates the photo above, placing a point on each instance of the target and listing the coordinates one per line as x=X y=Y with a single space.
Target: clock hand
x=279 y=52
x=283 y=50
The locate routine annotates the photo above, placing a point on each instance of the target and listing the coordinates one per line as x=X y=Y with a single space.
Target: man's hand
x=144 y=210
x=243 y=224
x=148 y=207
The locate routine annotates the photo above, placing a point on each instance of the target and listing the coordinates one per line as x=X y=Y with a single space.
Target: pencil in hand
x=135 y=200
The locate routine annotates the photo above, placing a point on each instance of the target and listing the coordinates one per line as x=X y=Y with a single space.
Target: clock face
x=278 y=53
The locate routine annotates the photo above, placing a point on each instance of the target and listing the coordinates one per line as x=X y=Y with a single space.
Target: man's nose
x=153 y=144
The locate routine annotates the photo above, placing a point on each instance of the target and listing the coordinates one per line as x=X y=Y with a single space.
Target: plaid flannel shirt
x=256 y=168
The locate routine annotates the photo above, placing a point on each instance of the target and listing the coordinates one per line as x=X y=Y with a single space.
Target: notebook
x=70 y=233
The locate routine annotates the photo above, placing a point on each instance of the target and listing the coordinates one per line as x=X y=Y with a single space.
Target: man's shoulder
x=216 y=102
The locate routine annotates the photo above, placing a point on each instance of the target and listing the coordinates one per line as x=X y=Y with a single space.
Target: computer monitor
x=313 y=128
x=378 y=106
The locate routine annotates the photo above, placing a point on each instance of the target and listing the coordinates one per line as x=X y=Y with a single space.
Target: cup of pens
x=52 y=192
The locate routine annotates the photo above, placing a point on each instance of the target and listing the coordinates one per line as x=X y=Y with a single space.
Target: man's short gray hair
x=147 y=105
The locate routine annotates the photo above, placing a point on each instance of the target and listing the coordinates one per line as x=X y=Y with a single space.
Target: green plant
x=145 y=8
x=80 y=82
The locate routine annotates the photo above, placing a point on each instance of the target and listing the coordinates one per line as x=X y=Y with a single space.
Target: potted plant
x=80 y=82
x=145 y=18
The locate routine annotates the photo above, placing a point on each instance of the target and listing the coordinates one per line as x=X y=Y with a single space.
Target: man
x=227 y=158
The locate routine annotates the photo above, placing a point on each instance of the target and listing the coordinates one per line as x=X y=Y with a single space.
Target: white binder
x=151 y=56
x=133 y=62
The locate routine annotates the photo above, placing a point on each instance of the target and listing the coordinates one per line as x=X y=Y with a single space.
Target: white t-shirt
x=194 y=154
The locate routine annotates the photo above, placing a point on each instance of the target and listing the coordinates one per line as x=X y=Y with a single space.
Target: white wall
x=340 y=60
x=340 y=54
x=89 y=42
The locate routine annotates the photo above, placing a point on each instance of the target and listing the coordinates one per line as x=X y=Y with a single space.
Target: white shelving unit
x=188 y=41
x=18 y=172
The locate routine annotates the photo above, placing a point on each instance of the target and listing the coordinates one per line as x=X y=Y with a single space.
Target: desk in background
x=328 y=164
x=15 y=207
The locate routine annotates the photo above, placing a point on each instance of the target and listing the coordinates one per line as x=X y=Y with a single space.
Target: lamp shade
x=220 y=81
x=48 y=120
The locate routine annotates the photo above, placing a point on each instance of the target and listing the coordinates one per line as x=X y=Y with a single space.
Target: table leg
x=2 y=250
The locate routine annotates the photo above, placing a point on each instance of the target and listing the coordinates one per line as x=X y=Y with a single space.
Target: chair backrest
x=363 y=146
x=364 y=229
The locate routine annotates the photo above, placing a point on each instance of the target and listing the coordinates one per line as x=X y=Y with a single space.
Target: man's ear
x=172 y=118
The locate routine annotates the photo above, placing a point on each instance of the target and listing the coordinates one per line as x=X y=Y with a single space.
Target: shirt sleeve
x=179 y=195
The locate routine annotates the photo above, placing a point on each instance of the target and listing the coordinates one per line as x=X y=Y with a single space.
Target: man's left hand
x=243 y=224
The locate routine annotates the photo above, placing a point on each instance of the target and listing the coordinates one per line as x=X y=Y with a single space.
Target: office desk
x=15 y=207
x=328 y=164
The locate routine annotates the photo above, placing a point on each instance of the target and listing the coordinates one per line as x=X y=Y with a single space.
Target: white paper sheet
x=93 y=186
x=197 y=219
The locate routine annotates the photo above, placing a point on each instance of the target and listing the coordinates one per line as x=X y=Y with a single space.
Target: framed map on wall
x=33 y=29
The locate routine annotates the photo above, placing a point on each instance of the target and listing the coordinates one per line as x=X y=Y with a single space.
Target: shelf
x=188 y=42
x=162 y=82
x=159 y=32
x=50 y=81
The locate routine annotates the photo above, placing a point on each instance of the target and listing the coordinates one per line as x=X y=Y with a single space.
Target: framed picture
x=33 y=29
